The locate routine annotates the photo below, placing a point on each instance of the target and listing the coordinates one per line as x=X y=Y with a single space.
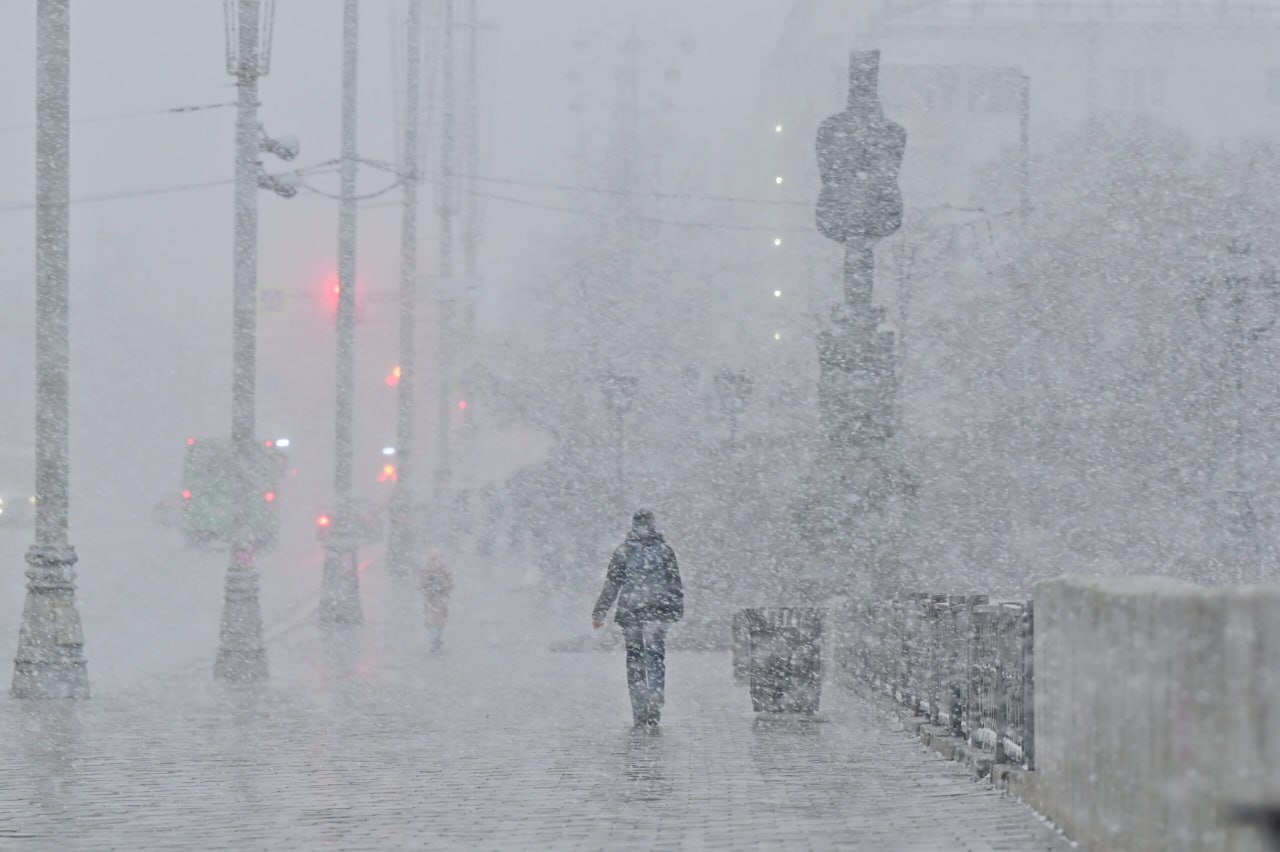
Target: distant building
x=1207 y=68
x=953 y=70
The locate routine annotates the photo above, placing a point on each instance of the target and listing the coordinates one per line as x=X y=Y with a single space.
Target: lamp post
x=446 y=208
x=241 y=654
x=400 y=544
x=619 y=393
x=631 y=52
x=340 y=595
x=1239 y=307
x=50 y=661
x=733 y=387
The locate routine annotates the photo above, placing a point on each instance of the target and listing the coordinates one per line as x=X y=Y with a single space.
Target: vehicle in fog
x=209 y=492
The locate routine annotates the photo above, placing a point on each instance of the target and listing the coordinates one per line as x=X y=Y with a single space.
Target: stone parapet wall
x=1157 y=708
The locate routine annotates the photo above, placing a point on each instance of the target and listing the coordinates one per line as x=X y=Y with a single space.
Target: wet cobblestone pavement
x=364 y=741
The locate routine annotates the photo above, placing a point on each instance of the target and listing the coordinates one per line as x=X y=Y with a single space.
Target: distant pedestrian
x=436 y=584
x=644 y=579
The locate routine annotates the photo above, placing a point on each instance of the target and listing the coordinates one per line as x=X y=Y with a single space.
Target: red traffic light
x=330 y=290
x=270 y=496
x=323 y=521
x=186 y=494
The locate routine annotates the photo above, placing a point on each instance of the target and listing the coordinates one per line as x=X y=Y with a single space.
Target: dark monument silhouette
x=859 y=493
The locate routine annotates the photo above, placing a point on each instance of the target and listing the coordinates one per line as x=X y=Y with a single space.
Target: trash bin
x=786 y=658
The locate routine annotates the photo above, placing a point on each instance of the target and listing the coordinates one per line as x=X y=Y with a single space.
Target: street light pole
x=734 y=390
x=50 y=661
x=400 y=543
x=469 y=374
x=1024 y=158
x=619 y=392
x=445 y=283
x=1241 y=549
x=340 y=597
x=636 y=56
x=241 y=653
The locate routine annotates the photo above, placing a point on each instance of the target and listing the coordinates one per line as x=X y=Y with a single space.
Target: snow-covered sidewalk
x=366 y=742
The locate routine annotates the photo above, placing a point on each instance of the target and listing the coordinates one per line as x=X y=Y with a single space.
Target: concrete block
x=1158 y=708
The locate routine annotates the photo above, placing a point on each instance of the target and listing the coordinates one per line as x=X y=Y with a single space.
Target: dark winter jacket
x=644 y=578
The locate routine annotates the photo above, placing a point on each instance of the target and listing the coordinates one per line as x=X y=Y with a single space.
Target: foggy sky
x=163 y=53
x=151 y=275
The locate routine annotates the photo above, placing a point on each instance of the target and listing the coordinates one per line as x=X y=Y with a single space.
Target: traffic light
x=329 y=293
x=393 y=378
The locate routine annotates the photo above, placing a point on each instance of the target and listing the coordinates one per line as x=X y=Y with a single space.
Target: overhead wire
x=671 y=196
x=319 y=168
x=124 y=115
x=601 y=190
x=327 y=166
x=112 y=196
x=649 y=220
x=362 y=197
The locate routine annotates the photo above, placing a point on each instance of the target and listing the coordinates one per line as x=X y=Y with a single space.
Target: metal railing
x=961 y=661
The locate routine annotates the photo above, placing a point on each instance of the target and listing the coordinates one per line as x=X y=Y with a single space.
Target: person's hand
x=597 y=622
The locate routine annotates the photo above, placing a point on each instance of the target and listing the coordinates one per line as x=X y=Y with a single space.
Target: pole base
x=241 y=665
x=50 y=660
x=340 y=595
x=242 y=657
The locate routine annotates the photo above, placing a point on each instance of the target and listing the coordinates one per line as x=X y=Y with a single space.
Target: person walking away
x=436 y=584
x=644 y=579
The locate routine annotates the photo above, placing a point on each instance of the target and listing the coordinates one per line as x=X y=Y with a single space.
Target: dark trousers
x=646 y=668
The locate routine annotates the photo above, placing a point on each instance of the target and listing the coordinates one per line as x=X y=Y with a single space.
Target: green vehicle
x=209 y=492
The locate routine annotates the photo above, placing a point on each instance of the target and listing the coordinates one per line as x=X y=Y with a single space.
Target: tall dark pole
x=1243 y=550
x=734 y=390
x=1250 y=293
x=50 y=662
x=241 y=654
x=619 y=392
x=1024 y=492
x=445 y=285
x=1024 y=159
x=1245 y=547
x=400 y=544
x=468 y=376
x=340 y=597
